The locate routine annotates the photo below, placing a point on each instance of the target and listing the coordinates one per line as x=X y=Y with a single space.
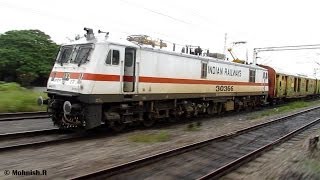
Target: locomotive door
x=129 y=70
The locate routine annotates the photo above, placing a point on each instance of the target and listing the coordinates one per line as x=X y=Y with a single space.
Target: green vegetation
x=282 y=109
x=162 y=136
x=312 y=166
x=26 y=56
x=194 y=126
x=14 y=98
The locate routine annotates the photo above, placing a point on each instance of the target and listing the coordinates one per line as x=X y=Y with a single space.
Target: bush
x=10 y=87
x=14 y=98
x=27 y=78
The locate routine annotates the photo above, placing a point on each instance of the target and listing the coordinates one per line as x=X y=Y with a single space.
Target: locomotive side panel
x=107 y=74
x=165 y=73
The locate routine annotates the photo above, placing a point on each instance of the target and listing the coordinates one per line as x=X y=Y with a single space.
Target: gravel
x=81 y=157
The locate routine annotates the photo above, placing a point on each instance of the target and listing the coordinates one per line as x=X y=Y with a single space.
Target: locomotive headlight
x=67 y=107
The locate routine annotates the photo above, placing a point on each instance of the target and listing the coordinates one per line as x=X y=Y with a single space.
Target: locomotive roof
x=102 y=39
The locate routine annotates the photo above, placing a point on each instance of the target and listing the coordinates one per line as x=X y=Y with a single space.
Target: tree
x=26 y=56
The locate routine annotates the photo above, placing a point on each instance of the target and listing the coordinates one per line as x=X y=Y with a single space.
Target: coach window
x=113 y=57
x=252 y=76
x=204 y=67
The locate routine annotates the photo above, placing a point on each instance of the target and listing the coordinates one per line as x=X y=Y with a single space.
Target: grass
x=14 y=98
x=194 y=126
x=312 y=166
x=161 y=136
x=286 y=108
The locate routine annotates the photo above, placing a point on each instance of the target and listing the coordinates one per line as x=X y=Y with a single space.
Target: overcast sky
x=201 y=22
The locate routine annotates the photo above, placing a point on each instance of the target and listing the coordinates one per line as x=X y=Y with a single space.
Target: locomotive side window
x=65 y=54
x=204 y=68
x=115 y=57
x=115 y=54
x=252 y=76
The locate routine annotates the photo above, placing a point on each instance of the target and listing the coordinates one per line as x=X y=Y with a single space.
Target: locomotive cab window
x=83 y=54
x=252 y=75
x=115 y=54
x=65 y=54
x=204 y=67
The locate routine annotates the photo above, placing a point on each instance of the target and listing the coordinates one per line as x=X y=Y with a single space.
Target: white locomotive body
x=117 y=82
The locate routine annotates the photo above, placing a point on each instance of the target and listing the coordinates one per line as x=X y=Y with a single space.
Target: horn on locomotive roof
x=107 y=33
x=89 y=34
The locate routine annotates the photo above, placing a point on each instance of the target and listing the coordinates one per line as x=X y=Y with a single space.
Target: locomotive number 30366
x=224 y=88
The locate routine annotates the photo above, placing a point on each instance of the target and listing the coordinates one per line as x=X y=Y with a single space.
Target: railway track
x=23 y=116
x=215 y=157
x=37 y=138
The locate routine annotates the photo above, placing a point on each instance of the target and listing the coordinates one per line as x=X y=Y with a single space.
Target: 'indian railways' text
x=224 y=71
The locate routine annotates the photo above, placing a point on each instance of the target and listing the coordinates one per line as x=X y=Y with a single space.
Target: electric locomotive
x=119 y=82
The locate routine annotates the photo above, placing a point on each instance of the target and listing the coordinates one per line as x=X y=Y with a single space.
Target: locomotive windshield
x=65 y=54
x=77 y=54
x=83 y=54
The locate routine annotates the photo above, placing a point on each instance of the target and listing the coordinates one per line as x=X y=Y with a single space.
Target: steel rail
x=23 y=116
x=248 y=157
x=6 y=136
x=40 y=143
x=160 y=156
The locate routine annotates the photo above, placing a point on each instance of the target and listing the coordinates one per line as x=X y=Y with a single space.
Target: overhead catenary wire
x=290 y=49
x=156 y=12
x=296 y=46
x=284 y=48
x=76 y=21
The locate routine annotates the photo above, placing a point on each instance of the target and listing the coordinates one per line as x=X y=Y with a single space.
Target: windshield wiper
x=84 y=57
